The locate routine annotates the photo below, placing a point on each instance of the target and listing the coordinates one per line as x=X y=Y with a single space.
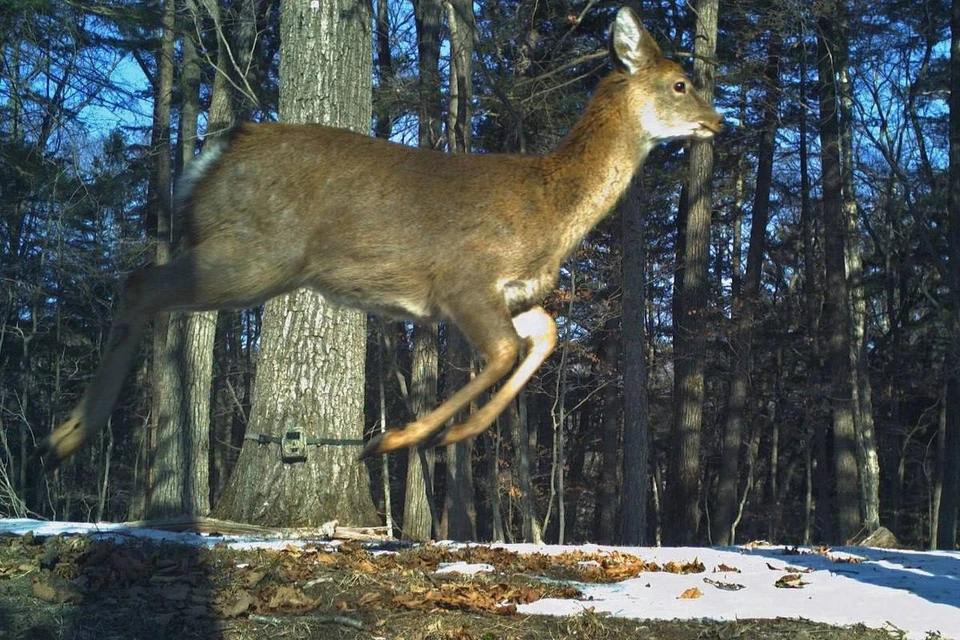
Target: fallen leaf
x=240 y=605
x=57 y=591
x=790 y=569
x=690 y=594
x=675 y=566
x=791 y=581
x=725 y=568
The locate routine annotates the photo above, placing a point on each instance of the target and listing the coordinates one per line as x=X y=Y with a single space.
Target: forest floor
x=81 y=587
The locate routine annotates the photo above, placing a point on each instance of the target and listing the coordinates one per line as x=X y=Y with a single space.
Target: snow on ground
x=911 y=591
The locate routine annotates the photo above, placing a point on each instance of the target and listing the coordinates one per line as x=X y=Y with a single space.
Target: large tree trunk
x=636 y=474
x=745 y=305
x=815 y=429
x=867 y=458
x=837 y=309
x=311 y=369
x=690 y=339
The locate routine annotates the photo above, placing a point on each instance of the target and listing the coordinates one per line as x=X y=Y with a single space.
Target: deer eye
x=680 y=86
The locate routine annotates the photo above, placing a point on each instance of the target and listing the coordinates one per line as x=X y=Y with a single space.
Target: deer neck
x=594 y=164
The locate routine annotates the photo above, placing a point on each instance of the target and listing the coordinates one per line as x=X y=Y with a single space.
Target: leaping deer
x=406 y=232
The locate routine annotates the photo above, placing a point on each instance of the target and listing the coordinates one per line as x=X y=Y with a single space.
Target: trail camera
x=293 y=446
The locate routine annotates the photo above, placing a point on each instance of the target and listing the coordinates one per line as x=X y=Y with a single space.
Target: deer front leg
x=486 y=325
x=539 y=330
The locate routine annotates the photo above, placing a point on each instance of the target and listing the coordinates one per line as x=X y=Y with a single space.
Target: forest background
x=793 y=375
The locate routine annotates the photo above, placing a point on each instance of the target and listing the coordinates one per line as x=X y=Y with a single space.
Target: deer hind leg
x=135 y=310
x=534 y=326
x=205 y=277
x=487 y=327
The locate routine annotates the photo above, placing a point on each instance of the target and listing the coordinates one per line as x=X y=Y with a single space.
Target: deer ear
x=631 y=46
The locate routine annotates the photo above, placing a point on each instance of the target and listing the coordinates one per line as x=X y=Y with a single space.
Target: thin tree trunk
x=384 y=118
x=462 y=26
x=427 y=15
x=950 y=500
x=609 y=435
x=636 y=448
x=419 y=506
x=167 y=448
x=310 y=373
x=815 y=429
x=461 y=511
x=690 y=349
x=520 y=433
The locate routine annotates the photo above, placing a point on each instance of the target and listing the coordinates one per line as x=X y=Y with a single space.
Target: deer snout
x=709 y=127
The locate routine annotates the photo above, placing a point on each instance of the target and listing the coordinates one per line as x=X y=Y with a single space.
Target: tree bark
x=311 y=369
x=419 y=505
x=460 y=512
x=867 y=458
x=460 y=508
x=636 y=437
x=690 y=339
x=745 y=306
x=950 y=480
x=518 y=419
x=427 y=16
x=168 y=449
x=607 y=503
x=419 y=512
x=831 y=25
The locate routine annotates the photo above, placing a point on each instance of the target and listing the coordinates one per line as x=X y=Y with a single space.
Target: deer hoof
x=60 y=445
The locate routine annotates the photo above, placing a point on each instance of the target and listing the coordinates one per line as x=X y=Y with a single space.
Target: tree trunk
x=310 y=374
x=419 y=511
x=867 y=457
x=427 y=14
x=745 y=306
x=609 y=435
x=947 y=525
x=520 y=432
x=690 y=339
x=383 y=127
x=462 y=25
x=636 y=448
x=831 y=25
x=419 y=505
x=168 y=448
x=459 y=510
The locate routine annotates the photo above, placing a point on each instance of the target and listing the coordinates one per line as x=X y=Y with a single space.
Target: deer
x=409 y=233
